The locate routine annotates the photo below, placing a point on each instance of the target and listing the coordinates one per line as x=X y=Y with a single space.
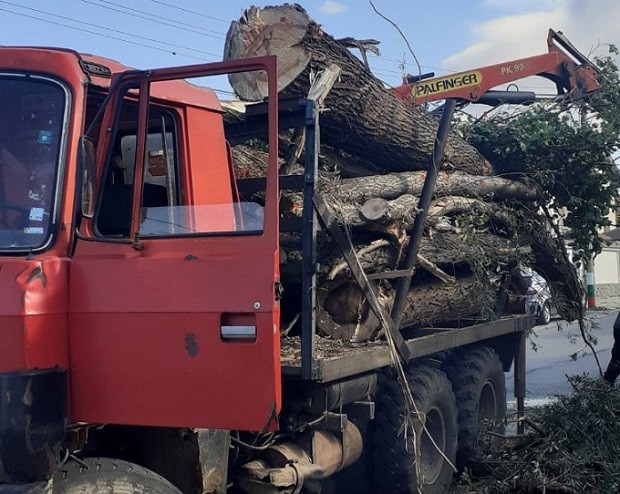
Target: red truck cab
x=137 y=288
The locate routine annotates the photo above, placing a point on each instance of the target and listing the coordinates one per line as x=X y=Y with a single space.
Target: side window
x=160 y=188
x=188 y=189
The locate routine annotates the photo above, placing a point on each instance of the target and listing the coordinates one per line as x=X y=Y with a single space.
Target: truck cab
x=137 y=288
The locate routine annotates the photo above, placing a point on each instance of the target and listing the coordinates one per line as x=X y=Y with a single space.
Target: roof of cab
x=177 y=90
x=56 y=61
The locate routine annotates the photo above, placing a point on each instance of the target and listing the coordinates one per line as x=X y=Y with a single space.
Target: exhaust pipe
x=290 y=466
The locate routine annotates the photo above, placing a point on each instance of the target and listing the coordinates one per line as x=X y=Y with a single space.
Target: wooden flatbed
x=336 y=360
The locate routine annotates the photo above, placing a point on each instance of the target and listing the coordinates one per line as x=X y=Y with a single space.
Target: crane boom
x=564 y=65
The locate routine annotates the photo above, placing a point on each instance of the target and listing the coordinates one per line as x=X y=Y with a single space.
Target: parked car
x=537 y=297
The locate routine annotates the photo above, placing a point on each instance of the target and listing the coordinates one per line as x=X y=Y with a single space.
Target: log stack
x=375 y=149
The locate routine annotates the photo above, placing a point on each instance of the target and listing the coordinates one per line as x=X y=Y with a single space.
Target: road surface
x=550 y=362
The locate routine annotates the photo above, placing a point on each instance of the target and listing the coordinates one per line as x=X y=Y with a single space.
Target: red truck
x=140 y=343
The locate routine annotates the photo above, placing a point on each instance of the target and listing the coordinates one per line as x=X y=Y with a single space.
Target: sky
x=444 y=35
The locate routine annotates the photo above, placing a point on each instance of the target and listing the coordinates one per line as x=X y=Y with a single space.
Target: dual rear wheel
x=453 y=406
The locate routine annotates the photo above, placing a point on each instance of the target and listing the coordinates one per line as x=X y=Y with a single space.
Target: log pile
x=375 y=149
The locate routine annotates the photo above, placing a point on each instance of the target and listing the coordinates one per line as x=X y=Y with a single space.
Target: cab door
x=174 y=319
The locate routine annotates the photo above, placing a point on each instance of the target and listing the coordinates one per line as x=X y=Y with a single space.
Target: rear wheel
x=109 y=476
x=480 y=389
x=394 y=469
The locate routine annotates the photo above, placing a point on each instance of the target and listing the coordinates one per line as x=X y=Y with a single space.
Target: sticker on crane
x=446 y=84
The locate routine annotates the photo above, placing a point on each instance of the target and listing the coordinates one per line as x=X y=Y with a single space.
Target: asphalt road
x=549 y=360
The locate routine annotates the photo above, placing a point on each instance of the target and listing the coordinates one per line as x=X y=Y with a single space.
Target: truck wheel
x=394 y=471
x=109 y=476
x=544 y=316
x=480 y=389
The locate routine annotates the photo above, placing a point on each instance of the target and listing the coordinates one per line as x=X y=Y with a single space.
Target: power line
x=172 y=45
x=380 y=58
x=189 y=11
x=164 y=21
x=135 y=43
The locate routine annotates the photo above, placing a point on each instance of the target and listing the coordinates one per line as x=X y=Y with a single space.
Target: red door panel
x=145 y=334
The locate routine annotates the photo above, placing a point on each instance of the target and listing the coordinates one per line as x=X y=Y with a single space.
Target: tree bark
x=344 y=313
x=444 y=249
x=397 y=215
x=456 y=183
x=363 y=117
x=437 y=302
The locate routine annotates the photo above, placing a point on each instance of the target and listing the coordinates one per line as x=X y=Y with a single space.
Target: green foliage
x=565 y=147
x=577 y=452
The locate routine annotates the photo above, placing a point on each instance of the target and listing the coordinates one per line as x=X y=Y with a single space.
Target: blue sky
x=446 y=35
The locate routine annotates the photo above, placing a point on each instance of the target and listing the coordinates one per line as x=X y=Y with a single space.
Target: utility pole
x=590 y=284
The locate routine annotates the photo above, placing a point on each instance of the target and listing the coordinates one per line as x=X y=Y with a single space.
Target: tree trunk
x=437 y=302
x=397 y=215
x=456 y=183
x=364 y=118
x=444 y=249
x=344 y=314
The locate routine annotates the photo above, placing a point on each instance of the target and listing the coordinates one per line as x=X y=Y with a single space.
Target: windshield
x=32 y=111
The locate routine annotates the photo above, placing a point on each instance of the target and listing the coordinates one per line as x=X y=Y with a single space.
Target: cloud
x=521 y=5
x=506 y=38
x=586 y=23
x=332 y=8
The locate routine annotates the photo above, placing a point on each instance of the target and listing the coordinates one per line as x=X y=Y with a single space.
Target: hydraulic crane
x=564 y=65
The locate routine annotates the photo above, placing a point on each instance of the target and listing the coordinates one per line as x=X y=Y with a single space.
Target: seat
x=114 y=218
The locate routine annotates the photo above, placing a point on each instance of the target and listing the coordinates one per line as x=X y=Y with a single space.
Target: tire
x=480 y=389
x=394 y=471
x=544 y=316
x=109 y=476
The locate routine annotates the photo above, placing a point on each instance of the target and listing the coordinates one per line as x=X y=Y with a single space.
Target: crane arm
x=564 y=65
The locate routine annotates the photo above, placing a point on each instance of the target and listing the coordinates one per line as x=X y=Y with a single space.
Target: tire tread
x=468 y=370
x=75 y=476
x=393 y=462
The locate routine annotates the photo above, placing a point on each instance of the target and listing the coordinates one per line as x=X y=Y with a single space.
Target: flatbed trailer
x=336 y=360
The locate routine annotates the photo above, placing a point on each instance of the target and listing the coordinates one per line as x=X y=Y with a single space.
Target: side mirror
x=88 y=166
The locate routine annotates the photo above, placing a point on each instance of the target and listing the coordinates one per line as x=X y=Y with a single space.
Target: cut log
x=345 y=314
x=363 y=117
x=445 y=249
x=456 y=183
x=377 y=215
x=551 y=260
x=437 y=302
x=396 y=215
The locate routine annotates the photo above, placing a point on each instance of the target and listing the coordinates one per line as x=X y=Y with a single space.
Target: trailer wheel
x=480 y=389
x=109 y=476
x=394 y=470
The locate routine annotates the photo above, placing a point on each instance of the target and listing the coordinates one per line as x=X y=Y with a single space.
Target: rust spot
x=191 y=345
x=36 y=274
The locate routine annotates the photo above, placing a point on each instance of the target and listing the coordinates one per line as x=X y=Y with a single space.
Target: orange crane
x=564 y=65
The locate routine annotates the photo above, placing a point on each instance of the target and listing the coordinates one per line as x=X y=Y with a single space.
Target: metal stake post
x=404 y=283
